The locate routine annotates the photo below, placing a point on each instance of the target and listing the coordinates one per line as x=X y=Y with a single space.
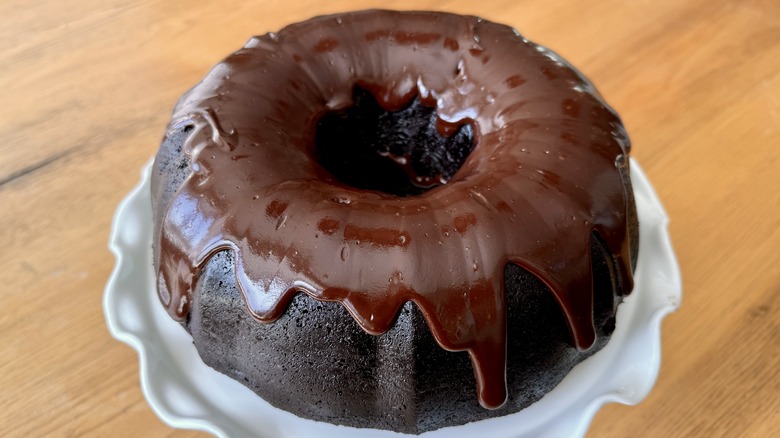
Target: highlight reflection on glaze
x=541 y=178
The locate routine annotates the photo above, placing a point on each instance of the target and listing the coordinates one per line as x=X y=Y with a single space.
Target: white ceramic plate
x=185 y=393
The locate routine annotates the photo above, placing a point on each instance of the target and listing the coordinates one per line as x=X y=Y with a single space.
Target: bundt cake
x=394 y=220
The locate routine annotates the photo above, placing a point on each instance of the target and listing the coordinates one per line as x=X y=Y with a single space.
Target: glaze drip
x=541 y=178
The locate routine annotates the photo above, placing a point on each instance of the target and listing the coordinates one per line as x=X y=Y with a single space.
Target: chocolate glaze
x=547 y=170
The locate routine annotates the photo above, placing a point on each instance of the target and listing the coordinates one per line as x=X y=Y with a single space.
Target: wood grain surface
x=87 y=86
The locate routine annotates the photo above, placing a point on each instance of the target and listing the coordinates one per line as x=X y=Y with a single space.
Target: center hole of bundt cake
x=397 y=152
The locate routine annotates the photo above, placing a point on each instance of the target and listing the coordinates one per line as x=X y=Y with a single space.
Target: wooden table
x=87 y=89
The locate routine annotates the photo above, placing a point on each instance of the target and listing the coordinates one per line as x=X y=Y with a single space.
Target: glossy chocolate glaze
x=545 y=173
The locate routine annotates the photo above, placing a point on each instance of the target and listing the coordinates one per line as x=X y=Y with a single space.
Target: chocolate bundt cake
x=394 y=220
